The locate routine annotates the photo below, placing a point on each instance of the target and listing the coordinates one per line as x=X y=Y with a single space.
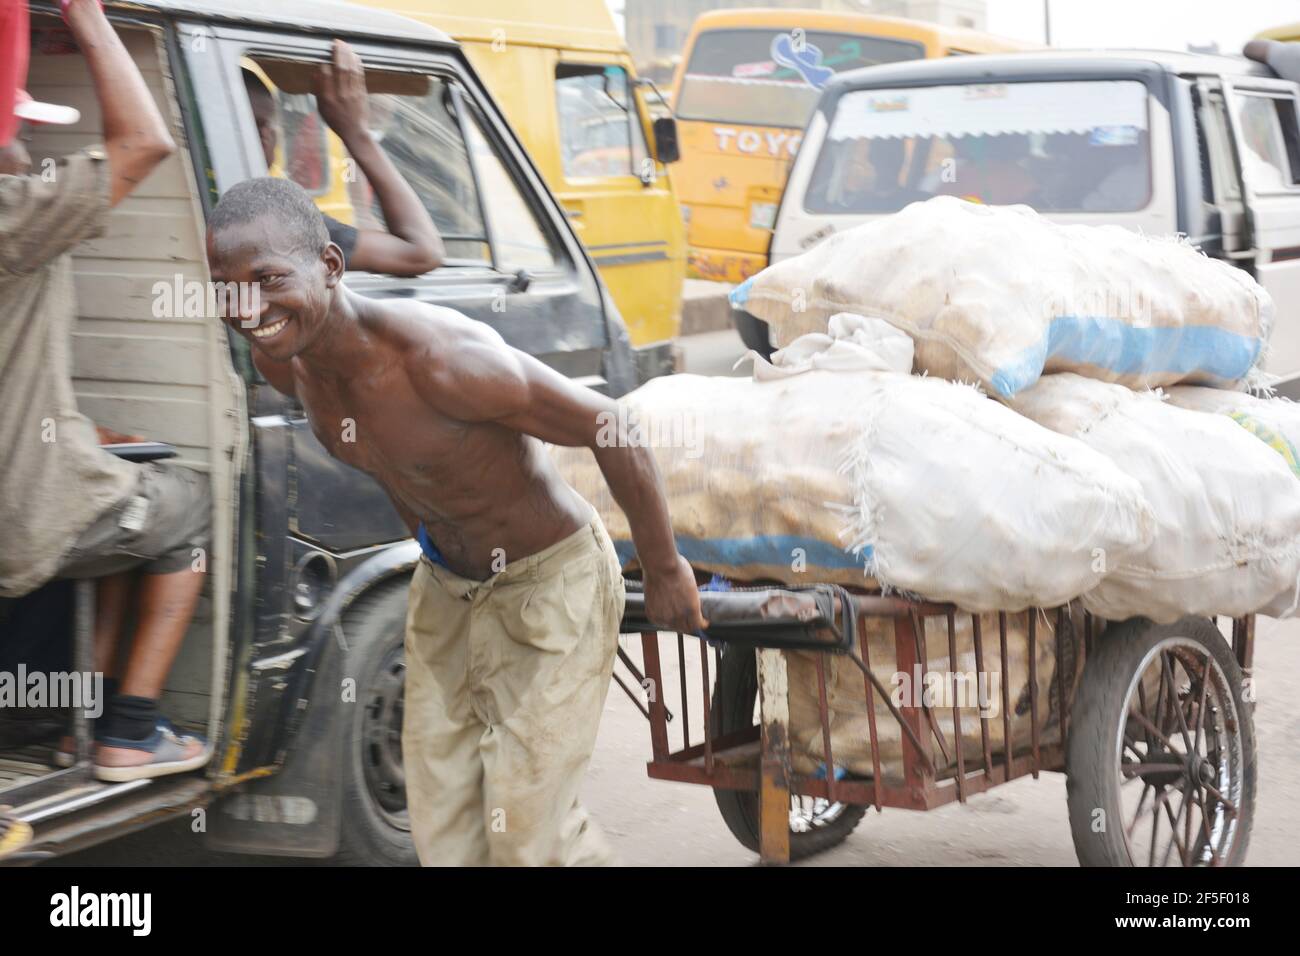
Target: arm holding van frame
x=136 y=137
x=411 y=246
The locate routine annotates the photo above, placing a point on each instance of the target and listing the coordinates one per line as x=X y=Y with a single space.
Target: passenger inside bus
x=411 y=245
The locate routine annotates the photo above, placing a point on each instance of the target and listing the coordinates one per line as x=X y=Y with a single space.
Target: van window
x=415 y=128
x=305 y=157
x=773 y=77
x=1270 y=142
x=1214 y=127
x=517 y=236
x=600 y=128
x=1079 y=146
x=423 y=140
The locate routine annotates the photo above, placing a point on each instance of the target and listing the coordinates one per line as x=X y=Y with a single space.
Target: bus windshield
x=1070 y=146
x=770 y=77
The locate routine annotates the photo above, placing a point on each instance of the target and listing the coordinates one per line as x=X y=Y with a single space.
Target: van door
x=615 y=193
x=506 y=265
x=1265 y=128
x=510 y=263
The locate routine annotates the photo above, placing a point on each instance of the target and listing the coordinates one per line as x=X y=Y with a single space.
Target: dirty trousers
x=505 y=683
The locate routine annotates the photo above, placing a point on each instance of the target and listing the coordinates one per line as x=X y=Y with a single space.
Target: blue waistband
x=428 y=547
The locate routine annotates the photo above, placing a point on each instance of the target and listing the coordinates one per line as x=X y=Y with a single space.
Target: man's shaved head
x=281 y=200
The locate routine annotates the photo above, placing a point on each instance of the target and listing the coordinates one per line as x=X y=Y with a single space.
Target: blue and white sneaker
x=167 y=750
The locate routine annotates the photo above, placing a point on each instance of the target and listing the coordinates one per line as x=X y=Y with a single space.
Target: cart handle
x=819 y=617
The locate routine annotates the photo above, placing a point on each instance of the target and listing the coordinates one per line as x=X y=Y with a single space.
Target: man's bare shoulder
x=425 y=332
x=448 y=356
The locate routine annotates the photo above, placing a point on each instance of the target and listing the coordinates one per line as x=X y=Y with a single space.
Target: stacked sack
x=838 y=466
x=1226 y=505
x=1274 y=421
x=1000 y=295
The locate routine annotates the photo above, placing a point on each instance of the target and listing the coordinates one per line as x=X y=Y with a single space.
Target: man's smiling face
x=291 y=287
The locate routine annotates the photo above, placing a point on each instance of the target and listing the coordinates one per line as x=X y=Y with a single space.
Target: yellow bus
x=743 y=92
x=564 y=78
x=1289 y=33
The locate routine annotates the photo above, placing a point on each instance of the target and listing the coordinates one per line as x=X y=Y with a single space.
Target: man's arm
x=412 y=246
x=136 y=138
x=486 y=380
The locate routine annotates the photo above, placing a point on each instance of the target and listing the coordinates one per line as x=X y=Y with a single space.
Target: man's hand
x=671 y=600
x=341 y=94
x=109 y=437
x=411 y=246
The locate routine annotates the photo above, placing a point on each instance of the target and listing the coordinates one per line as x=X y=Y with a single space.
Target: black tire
x=732 y=709
x=753 y=332
x=373 y=828
x=1110 y=749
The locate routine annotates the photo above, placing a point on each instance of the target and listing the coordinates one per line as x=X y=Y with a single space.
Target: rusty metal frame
x=758 y=758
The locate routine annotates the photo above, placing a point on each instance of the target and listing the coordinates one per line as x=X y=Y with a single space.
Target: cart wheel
x=1161 y=756
x=815 y=824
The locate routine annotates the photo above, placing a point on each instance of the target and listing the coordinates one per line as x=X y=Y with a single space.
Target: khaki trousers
x=505 y=683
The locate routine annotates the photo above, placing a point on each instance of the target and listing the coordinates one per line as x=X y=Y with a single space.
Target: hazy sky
x=1169 y=24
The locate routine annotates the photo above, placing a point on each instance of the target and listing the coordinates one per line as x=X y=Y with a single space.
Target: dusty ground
x=1024 y=823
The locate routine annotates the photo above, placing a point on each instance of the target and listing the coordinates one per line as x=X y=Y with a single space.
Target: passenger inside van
x=411 y=245
x=71 y=509
x=868 y=180
x=992 y=169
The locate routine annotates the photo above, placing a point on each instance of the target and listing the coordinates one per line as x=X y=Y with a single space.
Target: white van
x=1164 y=143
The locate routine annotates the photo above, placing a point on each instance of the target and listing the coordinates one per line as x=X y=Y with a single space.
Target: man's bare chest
x=387 y=433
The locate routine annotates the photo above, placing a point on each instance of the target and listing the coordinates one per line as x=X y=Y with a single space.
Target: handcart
x=1152 y=724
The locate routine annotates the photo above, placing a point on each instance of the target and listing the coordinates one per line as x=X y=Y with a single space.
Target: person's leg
x=545 y=655
x=440 y=731
x=135 y=740
x=165 y=608
x=112 y=595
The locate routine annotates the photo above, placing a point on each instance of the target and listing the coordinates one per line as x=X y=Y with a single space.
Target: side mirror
x=667 y=149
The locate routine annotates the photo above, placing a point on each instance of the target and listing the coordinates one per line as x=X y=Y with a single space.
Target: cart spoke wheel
x=816 y=824
x=1162 y=705
x=812 y=813
x=1186 y=751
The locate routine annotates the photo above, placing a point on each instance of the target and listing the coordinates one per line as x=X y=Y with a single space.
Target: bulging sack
x=924 y=485
x=1226 y=507
x=1000 y=295
x=1274 y=421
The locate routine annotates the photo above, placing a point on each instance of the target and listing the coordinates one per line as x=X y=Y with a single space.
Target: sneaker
x=167 y=750
x=65 y=755
x=14 y=833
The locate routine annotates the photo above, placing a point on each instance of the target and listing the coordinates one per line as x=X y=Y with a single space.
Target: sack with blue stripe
x=1000 y=295
x=822 y=471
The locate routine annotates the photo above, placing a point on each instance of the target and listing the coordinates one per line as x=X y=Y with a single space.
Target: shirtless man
x=515 y=607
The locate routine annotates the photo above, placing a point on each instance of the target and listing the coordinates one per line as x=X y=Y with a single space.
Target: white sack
x=926 y=485
x=1274 y=421
x=1000 y=295
x=1227 y=508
